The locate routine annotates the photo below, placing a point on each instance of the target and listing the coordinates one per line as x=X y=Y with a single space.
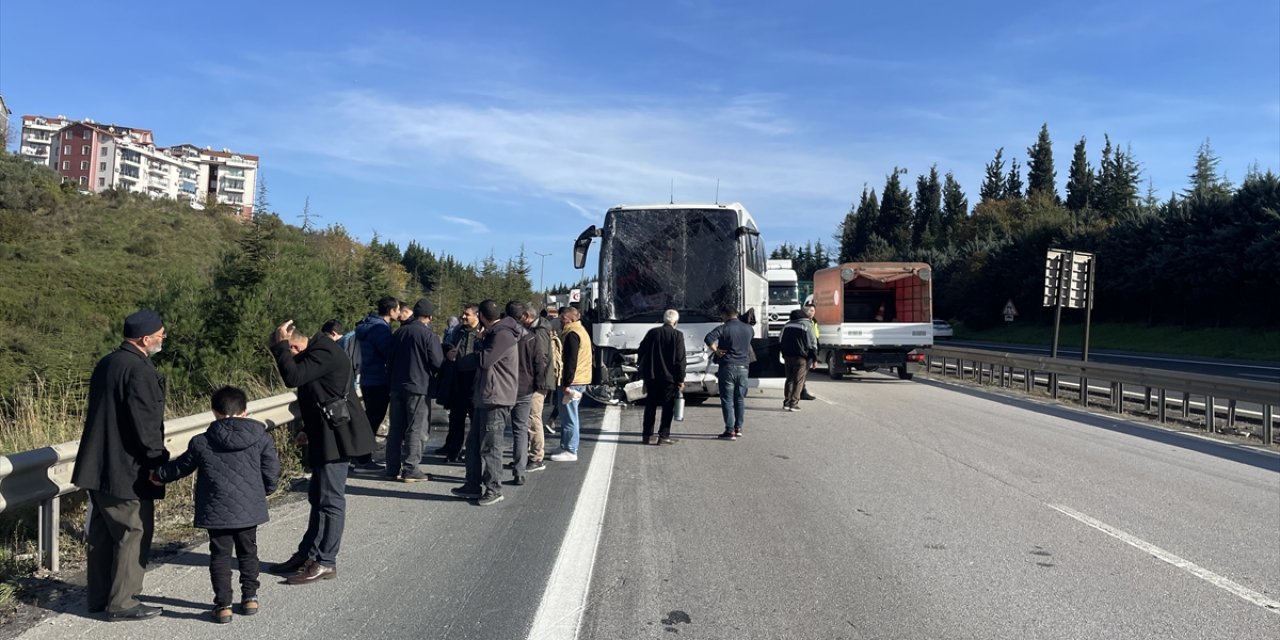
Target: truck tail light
x=915 y=357
x=852 y=357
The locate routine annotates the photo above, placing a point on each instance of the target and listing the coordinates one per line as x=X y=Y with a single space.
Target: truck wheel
x=903 y=374
x=831 y=367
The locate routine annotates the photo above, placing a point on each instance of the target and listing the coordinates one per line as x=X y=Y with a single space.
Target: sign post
x=1068 y=282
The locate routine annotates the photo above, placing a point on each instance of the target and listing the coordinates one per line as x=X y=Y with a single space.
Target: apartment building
x=4 y=124
x=97 y=157
x=37 y=135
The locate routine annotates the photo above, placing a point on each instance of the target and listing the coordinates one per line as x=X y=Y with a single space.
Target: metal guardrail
x=1159 y=384
x=43 y=475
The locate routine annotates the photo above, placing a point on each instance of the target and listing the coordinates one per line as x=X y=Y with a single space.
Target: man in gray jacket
x=495 y=394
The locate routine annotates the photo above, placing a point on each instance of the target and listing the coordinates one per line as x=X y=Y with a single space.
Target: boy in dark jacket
x=238 y=469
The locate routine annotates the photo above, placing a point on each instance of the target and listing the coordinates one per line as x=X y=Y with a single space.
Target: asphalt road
x=1258 y=371
x=885 y=509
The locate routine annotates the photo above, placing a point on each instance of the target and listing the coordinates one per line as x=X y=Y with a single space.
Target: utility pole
x=542 y=268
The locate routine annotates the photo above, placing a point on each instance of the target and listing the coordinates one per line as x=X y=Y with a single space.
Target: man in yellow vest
x=574 y=377
x=810 y=311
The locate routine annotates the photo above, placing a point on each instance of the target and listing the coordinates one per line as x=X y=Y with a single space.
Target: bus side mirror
x=582 y=244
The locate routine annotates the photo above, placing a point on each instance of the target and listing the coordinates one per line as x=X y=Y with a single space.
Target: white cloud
x=474 y=226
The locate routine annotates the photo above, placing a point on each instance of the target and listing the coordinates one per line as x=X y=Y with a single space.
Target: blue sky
x=477 y=130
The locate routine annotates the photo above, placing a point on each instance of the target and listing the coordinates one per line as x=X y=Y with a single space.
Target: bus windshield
x=658 y=259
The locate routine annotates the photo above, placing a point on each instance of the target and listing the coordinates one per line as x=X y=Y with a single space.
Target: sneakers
x=737 y=433
x=666 y=441
x=369 y=467
x=535 y=466
x=787 y=407
x=727 y=435
x=565 y=456
x=517 y=481
x=466 y=493
x=490 y=498
x=415 y=476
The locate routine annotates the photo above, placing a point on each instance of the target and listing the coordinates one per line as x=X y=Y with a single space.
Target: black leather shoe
x=808 y=396
x=136 y=612
x=288 y=567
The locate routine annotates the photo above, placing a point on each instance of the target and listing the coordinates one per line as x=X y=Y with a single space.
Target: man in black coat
x=123 y=440
x=412 y=365
x=661 y=360
x=321 y=372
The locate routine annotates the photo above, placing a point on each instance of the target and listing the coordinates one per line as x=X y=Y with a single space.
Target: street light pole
x=542 y=269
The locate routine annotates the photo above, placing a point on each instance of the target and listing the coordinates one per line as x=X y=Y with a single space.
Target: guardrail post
x=1160 y=409
x=1267 y=437
x=1147 y=400
x=1186 y=404
x=50 y=517
x=1117 y=397
x=1053 y=386
x=1084 y=391
x=1029 y=379
x=1231 y=414
x=1209 y=418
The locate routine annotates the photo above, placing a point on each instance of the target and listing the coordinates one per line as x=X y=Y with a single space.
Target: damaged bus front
x=695 y=259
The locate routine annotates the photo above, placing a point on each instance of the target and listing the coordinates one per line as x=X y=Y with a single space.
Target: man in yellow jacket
x=574 y=377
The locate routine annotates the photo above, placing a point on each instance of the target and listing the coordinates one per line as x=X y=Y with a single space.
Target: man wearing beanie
x=415 y=359
x=122 y=442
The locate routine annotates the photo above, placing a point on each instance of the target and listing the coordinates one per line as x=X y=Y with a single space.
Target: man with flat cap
x=123 y=440
x=412 y=365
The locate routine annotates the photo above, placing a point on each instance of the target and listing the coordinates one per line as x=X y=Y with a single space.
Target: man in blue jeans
x=574 y=377
x=731 y=344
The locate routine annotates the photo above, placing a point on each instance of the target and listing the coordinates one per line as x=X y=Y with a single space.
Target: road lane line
x=1194 y=569
x=565 y=599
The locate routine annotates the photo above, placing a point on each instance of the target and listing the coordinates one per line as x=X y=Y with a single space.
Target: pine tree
x=1206 y=182
x=1013 y=184
x=894 y=223
x=955 y=207
x=1117 y=183
x=994 y=183
x=863 y=226
x=1080 y=184
x=927 y=227
x=1041 y=176
x=260 y=205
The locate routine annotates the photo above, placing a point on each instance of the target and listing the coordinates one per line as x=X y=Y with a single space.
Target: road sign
x=575 y=295
x=1009 y=309
x=1008 y=317
x=1066 y=278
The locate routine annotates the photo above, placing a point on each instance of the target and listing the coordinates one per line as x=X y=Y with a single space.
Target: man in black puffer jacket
x=238 y=469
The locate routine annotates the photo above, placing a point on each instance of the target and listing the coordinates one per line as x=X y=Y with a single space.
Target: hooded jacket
x=374 y=335
x=497 y=380
x=238 y=469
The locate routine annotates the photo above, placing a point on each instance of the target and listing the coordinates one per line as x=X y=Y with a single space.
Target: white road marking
x=1194 y=569
x=565 y=599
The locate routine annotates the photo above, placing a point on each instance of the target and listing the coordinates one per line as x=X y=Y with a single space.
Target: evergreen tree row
x=1207 y=256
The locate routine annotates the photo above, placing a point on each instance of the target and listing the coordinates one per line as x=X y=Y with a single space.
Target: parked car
x=942 y=329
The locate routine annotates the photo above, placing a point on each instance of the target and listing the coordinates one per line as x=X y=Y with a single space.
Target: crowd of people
x=496 y=368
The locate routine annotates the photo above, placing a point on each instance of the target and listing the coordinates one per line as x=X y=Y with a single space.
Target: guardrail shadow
x=1242 y=454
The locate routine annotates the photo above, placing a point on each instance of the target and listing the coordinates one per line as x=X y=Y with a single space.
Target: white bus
x=695 y=258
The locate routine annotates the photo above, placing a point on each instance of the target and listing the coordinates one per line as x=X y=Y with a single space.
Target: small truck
x=873 y=315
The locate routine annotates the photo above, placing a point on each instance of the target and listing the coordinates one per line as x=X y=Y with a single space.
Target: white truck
x=873 y=315
x=784 y=294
